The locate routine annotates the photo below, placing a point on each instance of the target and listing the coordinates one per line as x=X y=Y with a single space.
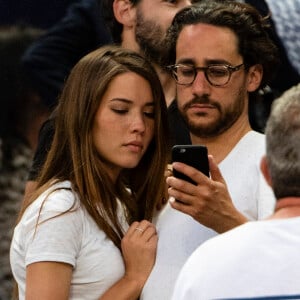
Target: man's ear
x=124 y=12
x=265 y=170
x=255 y=75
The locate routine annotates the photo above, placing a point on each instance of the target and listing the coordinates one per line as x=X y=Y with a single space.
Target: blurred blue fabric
x=286 y=17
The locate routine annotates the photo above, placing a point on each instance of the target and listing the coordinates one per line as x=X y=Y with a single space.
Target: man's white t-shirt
x=179 y=234
x=72 y=238
x=256 y=260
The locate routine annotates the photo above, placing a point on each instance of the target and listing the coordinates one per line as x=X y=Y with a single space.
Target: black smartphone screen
x=192 y=155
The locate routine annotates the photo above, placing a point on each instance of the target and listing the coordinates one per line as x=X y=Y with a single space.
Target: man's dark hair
x=254 y=44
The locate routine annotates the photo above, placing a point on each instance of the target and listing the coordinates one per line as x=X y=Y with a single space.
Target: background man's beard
x=150 y=38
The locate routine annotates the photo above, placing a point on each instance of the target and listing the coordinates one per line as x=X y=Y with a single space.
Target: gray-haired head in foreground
x=283 y=144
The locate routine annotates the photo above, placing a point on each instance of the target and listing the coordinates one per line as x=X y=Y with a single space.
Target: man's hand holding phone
x=204 y=198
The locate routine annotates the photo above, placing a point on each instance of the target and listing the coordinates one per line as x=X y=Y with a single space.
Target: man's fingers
x=215 y=172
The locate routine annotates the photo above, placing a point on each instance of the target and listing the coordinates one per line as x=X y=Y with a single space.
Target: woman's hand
x=139 y=251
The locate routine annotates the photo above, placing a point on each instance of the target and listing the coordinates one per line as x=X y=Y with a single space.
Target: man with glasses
x=220 y=55
x=263 y=260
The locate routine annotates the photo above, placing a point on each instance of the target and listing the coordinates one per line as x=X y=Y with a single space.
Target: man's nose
x=200 y=85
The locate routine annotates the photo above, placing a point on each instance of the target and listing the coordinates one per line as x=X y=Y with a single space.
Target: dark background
x=38 y=13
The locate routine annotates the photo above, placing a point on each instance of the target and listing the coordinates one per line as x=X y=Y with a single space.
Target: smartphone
x=192 y=155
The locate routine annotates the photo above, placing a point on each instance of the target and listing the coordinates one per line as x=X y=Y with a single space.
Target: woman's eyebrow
x=127 y=101
x=121 y=100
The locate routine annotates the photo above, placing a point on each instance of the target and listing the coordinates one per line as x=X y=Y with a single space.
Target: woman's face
x=124 y=122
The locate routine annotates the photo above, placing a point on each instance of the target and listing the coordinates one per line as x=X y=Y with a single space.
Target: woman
x=104 y=171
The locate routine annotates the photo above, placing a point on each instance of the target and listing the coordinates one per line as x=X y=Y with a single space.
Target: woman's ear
x=255 y=75
x=124 y=12
x=265 y=170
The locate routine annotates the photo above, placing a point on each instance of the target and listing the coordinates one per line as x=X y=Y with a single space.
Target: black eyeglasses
x=216 y=75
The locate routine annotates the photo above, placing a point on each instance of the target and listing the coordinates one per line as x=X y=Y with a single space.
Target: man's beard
x=226 y=117
x=151 y=38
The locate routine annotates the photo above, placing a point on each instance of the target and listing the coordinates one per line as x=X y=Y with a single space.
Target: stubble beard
x=150 y=38
x=227 y=117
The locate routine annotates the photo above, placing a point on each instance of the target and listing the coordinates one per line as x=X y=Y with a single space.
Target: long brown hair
x=73 y=155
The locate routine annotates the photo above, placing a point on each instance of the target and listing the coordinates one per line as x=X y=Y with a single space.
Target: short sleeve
x=58 y=234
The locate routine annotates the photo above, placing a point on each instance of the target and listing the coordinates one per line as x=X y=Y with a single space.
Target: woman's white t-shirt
x=72 y=237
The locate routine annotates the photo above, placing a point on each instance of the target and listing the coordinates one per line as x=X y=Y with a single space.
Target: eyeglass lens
x=216 y=75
